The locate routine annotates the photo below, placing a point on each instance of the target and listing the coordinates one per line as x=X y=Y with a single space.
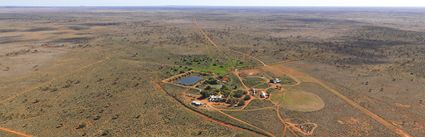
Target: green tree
x=232 y=101
x=238 y=93
x=241 y=102
x=226 y=93
x=224 y=87
x=207 y=93
x=211 y=81
x=247 y=97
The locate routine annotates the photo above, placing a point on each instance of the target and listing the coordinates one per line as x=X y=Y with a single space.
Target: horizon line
x=307 y=6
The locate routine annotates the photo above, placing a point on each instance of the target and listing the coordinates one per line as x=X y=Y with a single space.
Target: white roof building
x=276 y=80
x=196 y=103
x=214 y=98
x=263 y=94
x=254 y=91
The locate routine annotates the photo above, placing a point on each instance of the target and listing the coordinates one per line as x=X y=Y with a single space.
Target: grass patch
x=297 y=100
x=272 y=90
x=286 y=80
x=173 y=89
x=220 y=117
x=259 y=103
x=234 y=81
x=219 y=68
x=204 y=63
x=177 y=70
x=252 y=81
x=262 y=86
x=264 y=119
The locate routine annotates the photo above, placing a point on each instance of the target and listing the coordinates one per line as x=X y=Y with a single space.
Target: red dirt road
x=14 y=132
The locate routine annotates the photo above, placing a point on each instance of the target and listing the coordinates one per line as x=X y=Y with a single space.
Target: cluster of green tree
x=237 y=101
x=178 y=70
x=196 y=60
x=211 y=81
x=208 y=93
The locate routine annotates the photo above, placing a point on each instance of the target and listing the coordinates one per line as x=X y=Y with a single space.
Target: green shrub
x=238 y=93
x=247 y=97
x=241 y=102
x=207 y=93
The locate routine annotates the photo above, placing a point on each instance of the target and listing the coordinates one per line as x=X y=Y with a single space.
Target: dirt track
x=206 y=35
x=284 y=123
x=14 y=132
x=220 y=48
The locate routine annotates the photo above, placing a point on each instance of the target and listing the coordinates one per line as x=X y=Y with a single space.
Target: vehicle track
x=219 y=47
x=246 y=110
x=206 y=35
x=283 y=122
x=246 y=88
x=15 y=132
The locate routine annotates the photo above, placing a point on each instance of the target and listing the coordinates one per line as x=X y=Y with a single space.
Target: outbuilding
x=213 y=98
x=263 y=94
x=197 y=103
x=275 y=80
x=254 y=91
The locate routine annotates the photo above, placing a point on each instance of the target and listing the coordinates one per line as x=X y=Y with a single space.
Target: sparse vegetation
x=94 y=72
x=286 y=80
x=253 y=81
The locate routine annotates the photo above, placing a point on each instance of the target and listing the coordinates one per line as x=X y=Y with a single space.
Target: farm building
x=263 y=94
x=275 y=80
x=218 y=98
x=196 y=103
x=254 y=91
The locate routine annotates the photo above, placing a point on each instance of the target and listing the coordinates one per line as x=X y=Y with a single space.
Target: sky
x=344 y=3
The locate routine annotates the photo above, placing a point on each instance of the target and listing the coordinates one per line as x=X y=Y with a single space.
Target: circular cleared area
x=297 y=100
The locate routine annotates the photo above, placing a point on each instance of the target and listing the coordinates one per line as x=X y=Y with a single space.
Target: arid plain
x=115 y=71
